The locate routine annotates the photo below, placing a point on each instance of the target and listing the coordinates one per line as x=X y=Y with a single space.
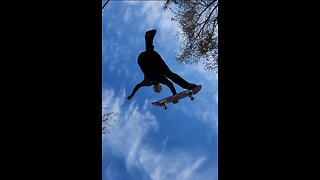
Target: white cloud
x=127 y=139
x=156 y=18
x=119 y=32
x=111 y=102
x=187 y=173
x=132 y=2
x=109 y=171
x=164 y=143
x=146 y=104
x=123 y=70
x=205 y=105
x=179 y=165
x=169 y=32
x=201 y=73
x=150 y=12
x=114 y=55
x=131 y=122
x=127 y=15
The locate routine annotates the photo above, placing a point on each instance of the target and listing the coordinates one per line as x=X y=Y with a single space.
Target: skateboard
x=187 y=93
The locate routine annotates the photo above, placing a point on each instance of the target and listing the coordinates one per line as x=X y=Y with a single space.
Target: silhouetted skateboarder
x=156 y=71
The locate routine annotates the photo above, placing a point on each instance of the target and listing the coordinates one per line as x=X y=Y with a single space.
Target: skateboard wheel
x=165 y=107
x=192 y=98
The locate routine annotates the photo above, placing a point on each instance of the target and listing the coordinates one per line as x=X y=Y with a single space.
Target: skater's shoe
x=191 y=86
x=149 y=39
x=175 y=100
x=150 y=34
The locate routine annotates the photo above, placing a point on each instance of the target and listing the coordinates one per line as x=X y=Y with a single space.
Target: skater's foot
x=191 y=86
x=150 y=34
x=149 y=39
x=175 y=101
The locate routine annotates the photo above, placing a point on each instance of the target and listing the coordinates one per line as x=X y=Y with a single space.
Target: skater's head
x=157 y=88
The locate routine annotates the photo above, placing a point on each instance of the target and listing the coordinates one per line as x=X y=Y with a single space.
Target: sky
x=146 y=142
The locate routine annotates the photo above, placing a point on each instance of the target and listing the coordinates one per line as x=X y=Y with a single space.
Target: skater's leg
x=168 y=83
x=177 y=79
x=149 y=39
x=165 y=81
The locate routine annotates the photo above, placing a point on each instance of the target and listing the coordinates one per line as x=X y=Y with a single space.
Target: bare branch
x=206 y=21
x=198 y=22
x=105 y=4
x=205 y=9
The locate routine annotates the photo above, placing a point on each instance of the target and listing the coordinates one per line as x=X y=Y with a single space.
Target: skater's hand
x=129 y=97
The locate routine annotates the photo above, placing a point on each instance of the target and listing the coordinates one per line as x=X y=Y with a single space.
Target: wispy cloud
x=132 y=2
x=127 y=139
x=168 y=33
x=156 y=18
x=205 y=106
x=132 y=125
x=110 y=172
x=127 y=15
x=112 y=101
x=146 y=104
x=131 y=139
x=150 y=12
x=115 y=55
x=187 y=173
x=178 y=165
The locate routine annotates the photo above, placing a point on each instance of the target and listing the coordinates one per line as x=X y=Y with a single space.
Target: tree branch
x=214 y=22
x=200 y=3
x=206 y=21
x=105 y=4
x=203 y=11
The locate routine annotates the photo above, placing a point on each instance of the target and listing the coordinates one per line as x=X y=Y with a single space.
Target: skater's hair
x=157 y=88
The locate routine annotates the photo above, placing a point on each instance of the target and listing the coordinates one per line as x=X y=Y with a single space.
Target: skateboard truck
x=164 y=106
x=190 y=96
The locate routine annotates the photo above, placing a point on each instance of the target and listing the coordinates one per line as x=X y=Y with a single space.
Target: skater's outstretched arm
x=137 y=87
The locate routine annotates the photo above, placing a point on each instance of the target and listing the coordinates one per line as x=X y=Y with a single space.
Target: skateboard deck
x=187 y=93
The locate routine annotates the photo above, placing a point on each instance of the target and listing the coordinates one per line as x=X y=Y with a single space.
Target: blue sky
x=147 y=142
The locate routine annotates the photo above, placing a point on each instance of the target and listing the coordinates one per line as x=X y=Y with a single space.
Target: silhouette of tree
x=107 y=121
x=198 y=20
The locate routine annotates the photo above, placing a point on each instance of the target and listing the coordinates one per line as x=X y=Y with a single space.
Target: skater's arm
x=136 y=88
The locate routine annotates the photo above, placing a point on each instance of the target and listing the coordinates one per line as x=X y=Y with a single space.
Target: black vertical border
x=53 y=84
x=266 y=89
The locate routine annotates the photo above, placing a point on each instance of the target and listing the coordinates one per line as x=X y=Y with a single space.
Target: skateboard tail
x=155 y=103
